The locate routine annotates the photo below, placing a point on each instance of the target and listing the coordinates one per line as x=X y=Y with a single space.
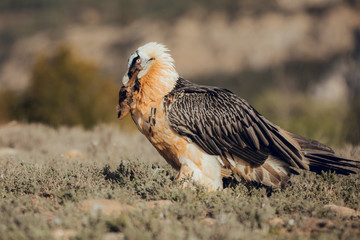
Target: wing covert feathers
x=222 y=123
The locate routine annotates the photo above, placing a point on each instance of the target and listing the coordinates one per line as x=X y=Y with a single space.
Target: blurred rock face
x=204 y=44
x=217 y=45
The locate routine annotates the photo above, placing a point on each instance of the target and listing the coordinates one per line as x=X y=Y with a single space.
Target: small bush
x=10 y=103
x=67 y=90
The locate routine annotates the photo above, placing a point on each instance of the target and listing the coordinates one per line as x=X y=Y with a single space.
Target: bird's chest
x=152 y=122
x=149 y=118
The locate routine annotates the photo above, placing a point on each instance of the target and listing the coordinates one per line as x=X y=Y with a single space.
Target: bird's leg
x=184 y=177
x=204 y=176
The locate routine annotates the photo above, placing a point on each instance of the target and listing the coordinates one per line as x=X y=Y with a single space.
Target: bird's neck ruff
x=158 y=81
x=160 y=77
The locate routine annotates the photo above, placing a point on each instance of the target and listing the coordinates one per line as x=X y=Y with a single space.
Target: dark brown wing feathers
x=222 y=123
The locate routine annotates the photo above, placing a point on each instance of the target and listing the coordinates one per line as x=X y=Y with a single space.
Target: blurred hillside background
x=296 y=61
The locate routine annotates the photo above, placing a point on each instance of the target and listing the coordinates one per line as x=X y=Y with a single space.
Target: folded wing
x=222 y=123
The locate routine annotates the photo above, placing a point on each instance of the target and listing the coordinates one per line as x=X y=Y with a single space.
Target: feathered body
x=210 y=133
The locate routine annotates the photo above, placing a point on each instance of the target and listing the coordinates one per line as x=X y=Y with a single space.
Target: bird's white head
x=153 y=66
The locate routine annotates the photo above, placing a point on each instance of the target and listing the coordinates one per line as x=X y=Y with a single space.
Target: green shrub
x=68 y=90
x=10 y=103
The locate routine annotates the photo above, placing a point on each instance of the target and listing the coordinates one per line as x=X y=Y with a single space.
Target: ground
x=109 y=183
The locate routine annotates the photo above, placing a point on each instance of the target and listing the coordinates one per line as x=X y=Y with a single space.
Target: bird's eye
x=138 y=60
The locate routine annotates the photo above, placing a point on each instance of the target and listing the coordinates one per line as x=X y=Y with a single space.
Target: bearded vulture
x=209 y=133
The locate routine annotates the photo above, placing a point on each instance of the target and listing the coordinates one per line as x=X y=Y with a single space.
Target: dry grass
x=46 y=174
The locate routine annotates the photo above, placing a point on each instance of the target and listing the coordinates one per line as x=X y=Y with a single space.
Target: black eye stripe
x=134 y=62
x=132 y=65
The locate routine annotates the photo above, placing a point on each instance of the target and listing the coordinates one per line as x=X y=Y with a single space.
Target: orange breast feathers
x=152 y=122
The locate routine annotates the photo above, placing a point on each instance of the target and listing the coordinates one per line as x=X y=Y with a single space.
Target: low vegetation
x=65 y=89
x=47 y=174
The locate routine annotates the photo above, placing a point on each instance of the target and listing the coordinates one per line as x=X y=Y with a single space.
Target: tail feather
x=327 y=162
x=323 y=158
